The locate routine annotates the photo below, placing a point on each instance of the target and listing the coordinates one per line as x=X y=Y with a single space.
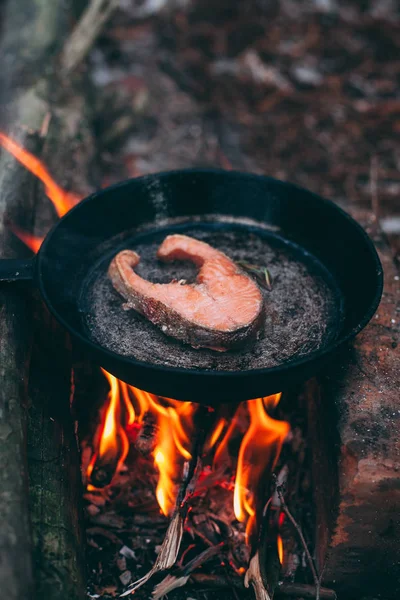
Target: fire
x=33 y=242
x=131 y=415
x=258 y=454
x=215 y=435
x=62 y=200
x=279 y=542
x=113 y=443
x=174 y=425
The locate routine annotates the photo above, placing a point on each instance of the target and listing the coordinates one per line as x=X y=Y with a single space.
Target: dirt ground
x=306 y=91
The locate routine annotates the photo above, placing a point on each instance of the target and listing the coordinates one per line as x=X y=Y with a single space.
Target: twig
x=267 y=551
x=180 y=578
x=85 y=32
x=289 y=515
x=167 y=556
x=44 y=129
x=253 y=577
x=261 y=274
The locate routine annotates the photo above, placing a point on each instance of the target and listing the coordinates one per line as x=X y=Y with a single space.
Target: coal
x=302 y=308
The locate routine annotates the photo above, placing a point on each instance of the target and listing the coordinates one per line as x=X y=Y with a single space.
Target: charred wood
x=146 y=440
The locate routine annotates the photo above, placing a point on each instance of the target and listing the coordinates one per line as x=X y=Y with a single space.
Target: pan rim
x=277 y=370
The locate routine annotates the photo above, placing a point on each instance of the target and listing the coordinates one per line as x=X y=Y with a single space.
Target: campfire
x=179 y=493
x=189 y=454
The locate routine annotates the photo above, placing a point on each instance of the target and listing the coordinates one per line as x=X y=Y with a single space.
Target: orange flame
x=124 y=388
x=222 y=448
x=113 y=443
x=33 y=242
x=215 y=435
x=62 y=200
x=279 y=542
x=259 y=450
x=173 y=448
x=174 y=426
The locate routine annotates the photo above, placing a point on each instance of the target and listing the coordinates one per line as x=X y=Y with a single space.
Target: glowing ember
x=63 y=201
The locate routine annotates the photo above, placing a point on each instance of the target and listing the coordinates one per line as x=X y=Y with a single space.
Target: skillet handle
x=17 y=269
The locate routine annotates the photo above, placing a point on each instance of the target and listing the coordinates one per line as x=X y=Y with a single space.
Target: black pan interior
x=303 y=308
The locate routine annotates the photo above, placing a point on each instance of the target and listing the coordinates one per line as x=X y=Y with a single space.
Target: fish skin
x=223 y=310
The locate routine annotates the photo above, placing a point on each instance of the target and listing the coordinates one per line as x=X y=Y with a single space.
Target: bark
x=55 y=488
x=47 y=115
x=15 y=560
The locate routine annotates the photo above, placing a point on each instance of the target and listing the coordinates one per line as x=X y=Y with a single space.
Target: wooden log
x=15 y=559
x=53 y=454
x=55 y=487
x=16 y=204
x=46 y=111
x=354 y=424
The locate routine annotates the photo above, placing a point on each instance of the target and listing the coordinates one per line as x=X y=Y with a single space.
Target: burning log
x=146 y=440
x=113 y=441
x=103 y=471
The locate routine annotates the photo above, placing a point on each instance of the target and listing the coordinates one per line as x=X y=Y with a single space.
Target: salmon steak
x=222 y=310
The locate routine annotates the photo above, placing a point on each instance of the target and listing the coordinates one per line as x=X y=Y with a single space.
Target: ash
x=301 y=307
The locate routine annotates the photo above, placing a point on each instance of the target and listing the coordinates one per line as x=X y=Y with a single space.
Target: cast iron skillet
x=327 y=279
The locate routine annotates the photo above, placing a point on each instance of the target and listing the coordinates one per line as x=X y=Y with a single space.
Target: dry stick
x=86 y=31
x=180 y=578
x=289 y=515
x=253 y=577
x=253 y=574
